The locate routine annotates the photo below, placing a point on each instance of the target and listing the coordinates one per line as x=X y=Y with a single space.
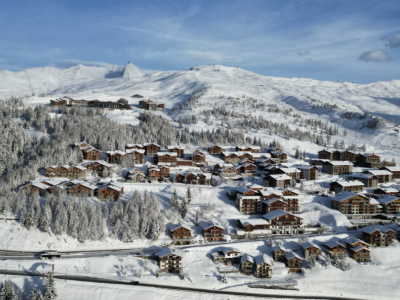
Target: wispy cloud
x=376 y=56
x=65 y=64
x=395 y=42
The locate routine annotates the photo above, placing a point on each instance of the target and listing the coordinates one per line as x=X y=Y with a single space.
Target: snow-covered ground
x=239 y=91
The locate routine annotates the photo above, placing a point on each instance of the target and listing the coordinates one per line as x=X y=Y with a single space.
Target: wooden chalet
x=109 y=192
x=383 y=175
x=347 y=155
x=248 y=201
x=350 y=203
x=179 y=150
x=282 y=222
x=136 y=175
x=263 y=266
x=100 y=167
x=279 y=180
x=394 y=170
x=138 y=154
x=369 y=180
x=181 y=234
x=251 y=225
x=349 y=186
x=212 y=232
x=336 y=249
x=252 y=149
x=91 y=153
x=231 y=157
x=247 y=168
x=377 y=236
x=337 y=167
x=226 y=255
x=67 y=171
x=169 y=260
x=360 y=254
x=336 y=155
x=115 y=156
x=309 y=249
x=390 y=204
x=81 y=189
x=386 y=191
x=278 y=253
x=293 y=262
x=308 y=172
x=150 y=149
x=216 y=150
x=36 y=187
x=198 y=158
x=247 y=264
x=325 y=154
x=166 y=158
x=134 y=146
x=272 y=204
x=291 y=172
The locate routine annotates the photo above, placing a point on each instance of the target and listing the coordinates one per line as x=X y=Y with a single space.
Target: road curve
x=172 y=287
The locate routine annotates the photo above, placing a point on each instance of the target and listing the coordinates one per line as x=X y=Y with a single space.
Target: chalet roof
x=39 y=185
x=254 y=222
x=247 y=257
x=305 y=167
x=388 y=190
x=222 y=147
x=55 y=182
x=371 y=229
x=255 y=186
x=176 y=147
x=225 y=250
x=279 y=247
x=280 y=177
x=269 y=201
x=352 y=241
x=167 y=154
x=206 y=225
x=227 y=153
x=66 y=166
x=116 y=152
x=148 y=144
x=174 y=227
x=276 y=214
x=84 y=184
x=325 y=151
x=334 y=243
x=289 y=170
x=346 y=195
x=113 y=187
x=91 y=149
x=263 y=259
x=167 y=251
x=379 y=172
x=53 y=166
x=261 y=155
x=271 y=191
x=134 y=150
x=362 y=175
x=134 y=145
x=206 y=175
x=349 y=183
x=290 y=255
x=307 y=245
x=80 y=168
x=358 y=248
x=249 y=147
x=385 y=199
x=338 y=163
x=242 y=189
x=243 y=160
x=393 y=169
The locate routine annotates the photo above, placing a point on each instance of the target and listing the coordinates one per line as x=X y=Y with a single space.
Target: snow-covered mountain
x=130 y=70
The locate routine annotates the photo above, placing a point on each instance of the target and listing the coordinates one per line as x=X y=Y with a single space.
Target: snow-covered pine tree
x=183 y=208
x=7 y=291
x=327 y=262
x=197 y=218
x=189 y=197
x=50 y=292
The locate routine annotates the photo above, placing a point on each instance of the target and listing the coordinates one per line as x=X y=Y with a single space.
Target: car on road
x=50 y=254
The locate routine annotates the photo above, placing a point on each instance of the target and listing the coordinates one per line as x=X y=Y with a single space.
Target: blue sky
x=326 y=40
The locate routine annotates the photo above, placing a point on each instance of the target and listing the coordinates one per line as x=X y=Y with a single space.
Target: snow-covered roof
x=80 y=168
x=207 y=175
x=334 y=243
x=91 y=149
x=339 y=163
x=40 y=185
x=307 y=245
x=54 y=182
x=263 y=259
x=393 y=169
x=276 y=214
x=254 y=222
x=291 y=254
x=255 y=186
x=279 y=247
x=167 y=153
x=379 y=172
x=371 y=229
x=361 y=175
x=134 y=150
x=272 y=200
x=353 y=240
x=358 y=248
x=280 y=177
x=289 y=170
x=206 y=225
x=261 y=155
x=349 y=183
x=134 y=145
x=148 y=144
x=227 y=153
x=247 y=257
x=249 y=147
x=385 y=199
x=176 y=147
x=271 y=191
x=225 y=250
x=174 y=227
x=305 y=167
x=326 y=151
x=345 y=195
x=242 y=189
x=116 y=152
x=167 y=251
x=388 y=190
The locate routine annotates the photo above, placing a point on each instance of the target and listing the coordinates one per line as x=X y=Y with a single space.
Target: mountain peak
x=130 y=70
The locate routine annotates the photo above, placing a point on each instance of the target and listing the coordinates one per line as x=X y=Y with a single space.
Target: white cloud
x=65 y=64
x=377 y=56
x=394 y=43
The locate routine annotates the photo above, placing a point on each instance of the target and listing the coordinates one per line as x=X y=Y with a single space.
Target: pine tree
x=197 y=218
x=174 y=199
x=7 y=291
x=50 y=292
x=183 y=208
x=188 y=196
x=30 y=221
x=45 y=219
x=336 y=145
x=327 y=262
